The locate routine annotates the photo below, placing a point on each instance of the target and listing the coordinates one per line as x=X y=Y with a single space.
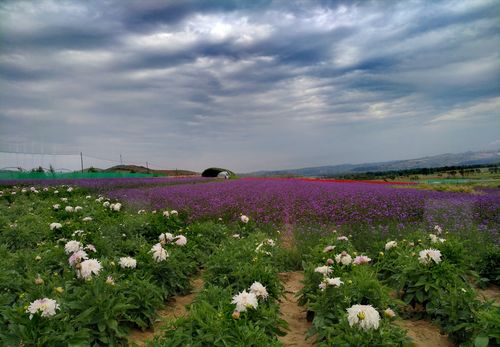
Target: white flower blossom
x=343 y=258
x=88 y=268
x=56 y=207
x=364 y=316
x=72 y=246
x=259 y=290
x=181 y=240
x=159 y=253
x=427 y=256
x=438 y=229
x=69 y=209
x=174 y=213
x=435 y=239
x=78 y=208
x=47 y=307
x=328 y=249
x=245 y=300
x=91 y=248
x=390 y=244
x=106 y=204
x=77 y=257
x=166 y=237
x=87 y=219
x=324 y=270
x=342 y=238
x=117 y=207
x=55 y=226
x=166 y=214
x=361 y=259
x=64 y=199
x=335 y=282
x=127 y=262
x=244 y=219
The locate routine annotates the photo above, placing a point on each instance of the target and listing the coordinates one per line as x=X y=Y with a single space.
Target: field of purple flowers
x=298 y=202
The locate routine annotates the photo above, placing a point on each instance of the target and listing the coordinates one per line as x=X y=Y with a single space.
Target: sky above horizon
x=249 y=85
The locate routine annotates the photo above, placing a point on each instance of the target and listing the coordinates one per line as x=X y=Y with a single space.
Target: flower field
x=85 y=264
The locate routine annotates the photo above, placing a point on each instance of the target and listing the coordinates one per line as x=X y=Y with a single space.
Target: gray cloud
x=250 y=85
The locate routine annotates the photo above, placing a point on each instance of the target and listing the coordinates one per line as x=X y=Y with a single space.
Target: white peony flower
x=390 y=244
x=236 y=236
x=342 y=238
x=55 y=226
x=244 y=219
x=56 y=207
x=110 y=280
x=106 y=204
x=88 y=197
x=245 y=300
x=159 y=253
x=166 y=237
x=70 y=189
x=361 y=259
x=56 y=192
x=87 y=219
x=78 y=208
x=141 y=212
x=435 y=239
x=77 y=257
x=89 y=267
x=72 y=246
x=174 y=213
x=117 y=207
x=127 y=262
x=427 y=256
x=364 y=316
x=328 y=249
x=259 y=290
x=324 y=270
x=69 y=209
x=47 y=307
x=438 y=229
x=64 y=199
x=343 y=258
x=181 y=240
x=335 y=282
x=91 y=248
x=78 y=232
x=166 y=214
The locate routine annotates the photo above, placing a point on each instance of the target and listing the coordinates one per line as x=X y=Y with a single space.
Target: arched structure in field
x=215 y=171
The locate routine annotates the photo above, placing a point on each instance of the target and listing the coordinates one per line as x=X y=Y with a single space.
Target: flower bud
x=236 y=314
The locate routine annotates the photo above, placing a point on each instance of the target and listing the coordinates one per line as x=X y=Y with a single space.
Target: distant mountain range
x=448 y=159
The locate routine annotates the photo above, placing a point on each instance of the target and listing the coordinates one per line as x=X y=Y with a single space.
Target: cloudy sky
x=249 y=85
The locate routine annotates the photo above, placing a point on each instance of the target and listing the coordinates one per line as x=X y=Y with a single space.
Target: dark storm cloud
x=250 y=84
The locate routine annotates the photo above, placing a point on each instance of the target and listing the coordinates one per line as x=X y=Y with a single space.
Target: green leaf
x=481 y=341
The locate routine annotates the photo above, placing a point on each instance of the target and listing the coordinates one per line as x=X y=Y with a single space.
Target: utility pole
x=121 y=161
x=147 y=166
x=81 y=160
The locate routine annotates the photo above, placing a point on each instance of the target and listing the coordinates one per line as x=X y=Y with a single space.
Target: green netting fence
x=14 y=175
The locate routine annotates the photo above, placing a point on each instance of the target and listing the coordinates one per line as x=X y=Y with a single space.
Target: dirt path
x=490 y=293
x=175 y=308
x=294 y=314
x=425 y=334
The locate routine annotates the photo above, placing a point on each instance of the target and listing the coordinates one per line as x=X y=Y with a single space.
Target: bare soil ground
x=175 y=308
x=490 y=293
x=294 y=314
x=425 y=334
